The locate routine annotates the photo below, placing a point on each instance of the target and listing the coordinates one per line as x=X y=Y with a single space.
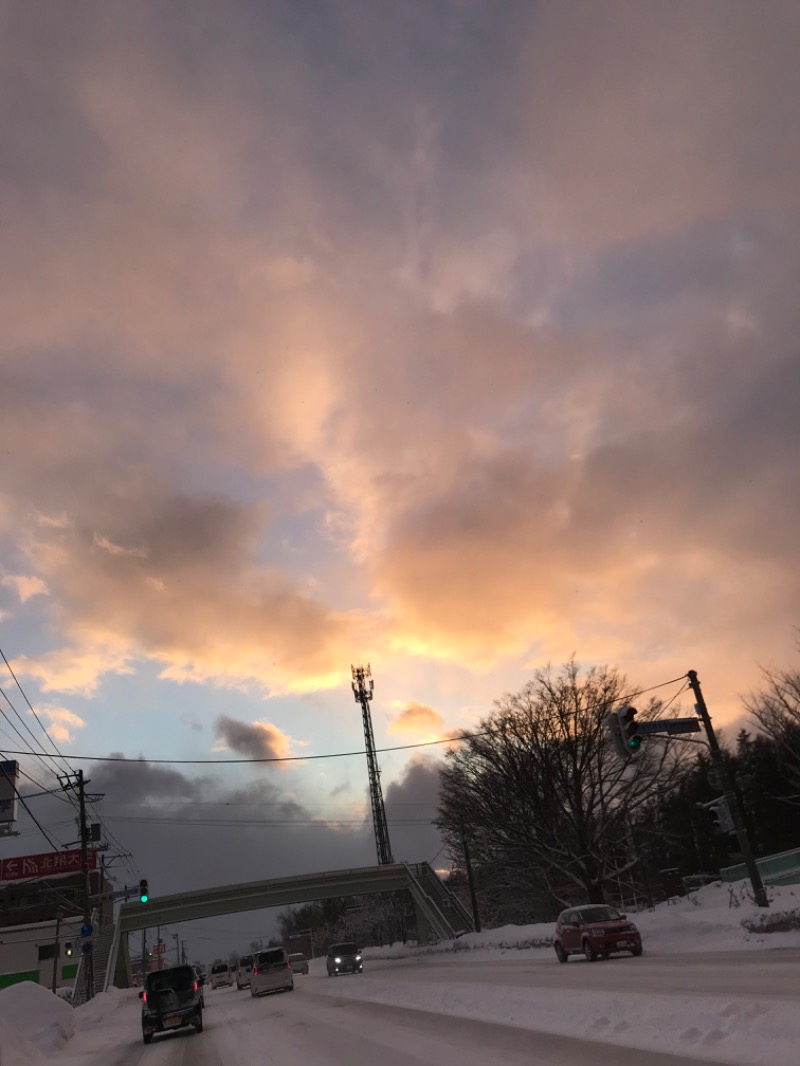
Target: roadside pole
x=759 y=893
x=57 y=950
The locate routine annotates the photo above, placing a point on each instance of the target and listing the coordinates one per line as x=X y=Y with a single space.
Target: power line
x=33 y=710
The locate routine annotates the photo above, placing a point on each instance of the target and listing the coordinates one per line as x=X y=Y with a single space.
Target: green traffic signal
x=144 y=894
x=634 y=743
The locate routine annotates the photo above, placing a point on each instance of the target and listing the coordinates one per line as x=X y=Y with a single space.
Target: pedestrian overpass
x=439 y=913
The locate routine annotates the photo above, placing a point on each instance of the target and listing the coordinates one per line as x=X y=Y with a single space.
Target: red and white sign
x=158 y=949
x=52 y=862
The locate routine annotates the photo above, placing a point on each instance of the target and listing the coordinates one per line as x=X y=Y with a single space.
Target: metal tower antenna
x=363 y=687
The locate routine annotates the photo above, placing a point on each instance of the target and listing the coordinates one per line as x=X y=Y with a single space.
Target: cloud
x=458 y=368
x=411 y=805
x=62 y=722
x=256 y=740
x=417 y=718
x=26 y=586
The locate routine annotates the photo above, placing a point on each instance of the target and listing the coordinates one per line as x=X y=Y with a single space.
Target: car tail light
x=195 y=986
x=144 y=997
x=255 y=971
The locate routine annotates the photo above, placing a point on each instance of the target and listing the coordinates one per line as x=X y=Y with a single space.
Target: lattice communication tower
x=363 y=687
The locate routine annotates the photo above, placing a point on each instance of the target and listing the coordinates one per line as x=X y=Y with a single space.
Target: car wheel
x=561 y=955
x=589 y=952
x=198 y=1022
x=147 y=1037
x=603 y=954
x=252 y=993
x=636 y=951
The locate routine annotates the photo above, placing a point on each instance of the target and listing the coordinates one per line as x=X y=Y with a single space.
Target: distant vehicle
x=201 y=980
x=272 y=972
x=299 y=963
x=243 y=972
x=595 y=931
x=221 y=975
x=171 y=999
x=343 y=958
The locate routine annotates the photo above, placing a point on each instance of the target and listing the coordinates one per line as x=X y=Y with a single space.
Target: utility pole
x=363 y=687
x=759 y=893
x=84 y=837
x=57 y=950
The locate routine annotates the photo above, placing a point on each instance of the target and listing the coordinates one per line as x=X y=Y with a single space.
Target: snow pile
x=717 y=917
x=32 y=1021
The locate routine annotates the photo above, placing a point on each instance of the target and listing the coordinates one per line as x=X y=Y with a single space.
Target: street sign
x=87 y=947
x=158 y=949
x=45 y=865
x=87 y=930
x=670 y=726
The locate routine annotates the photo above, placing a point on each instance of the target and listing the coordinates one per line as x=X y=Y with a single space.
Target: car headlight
x=358 y=958
x=337 y=961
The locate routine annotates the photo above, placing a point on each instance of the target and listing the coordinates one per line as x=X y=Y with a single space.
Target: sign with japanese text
x=52 y=862
x=8 y=791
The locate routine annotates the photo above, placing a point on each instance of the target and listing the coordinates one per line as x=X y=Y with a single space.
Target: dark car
x=595 y=931
x=343 y=958
x=171 y=999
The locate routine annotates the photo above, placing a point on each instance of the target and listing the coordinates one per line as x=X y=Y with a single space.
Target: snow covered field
x=706 y=989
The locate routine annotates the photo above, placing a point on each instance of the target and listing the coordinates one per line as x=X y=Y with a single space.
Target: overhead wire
x=33 y=712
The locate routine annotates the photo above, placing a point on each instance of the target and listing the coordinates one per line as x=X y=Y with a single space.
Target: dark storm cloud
x=411 y=805
x=256 y=740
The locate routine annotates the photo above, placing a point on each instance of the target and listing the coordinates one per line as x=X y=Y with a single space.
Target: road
x=331 y=1021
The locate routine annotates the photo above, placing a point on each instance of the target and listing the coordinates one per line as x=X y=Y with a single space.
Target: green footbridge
x=440 y=915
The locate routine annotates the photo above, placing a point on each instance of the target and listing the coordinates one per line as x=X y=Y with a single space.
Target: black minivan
x=171 y=999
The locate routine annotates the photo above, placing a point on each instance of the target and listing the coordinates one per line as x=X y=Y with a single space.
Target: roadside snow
x=35 y=1025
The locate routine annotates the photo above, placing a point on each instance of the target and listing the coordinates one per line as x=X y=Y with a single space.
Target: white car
x=272 y=972
x=221 y=975
x=299 y=963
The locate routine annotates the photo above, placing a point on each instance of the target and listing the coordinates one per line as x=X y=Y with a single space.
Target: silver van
x=272 y=972
x=243 y=972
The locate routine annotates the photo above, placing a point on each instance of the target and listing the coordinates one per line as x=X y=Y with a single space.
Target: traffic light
x=144 y=893
x=720 y=815
x=68 y=948
x=629 y=730
x=615 y=735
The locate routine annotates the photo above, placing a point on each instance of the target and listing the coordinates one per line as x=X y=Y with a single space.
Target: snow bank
x=717 y=917
x=32 y=1021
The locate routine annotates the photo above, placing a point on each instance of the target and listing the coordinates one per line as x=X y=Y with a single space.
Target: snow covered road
x=318 y=1026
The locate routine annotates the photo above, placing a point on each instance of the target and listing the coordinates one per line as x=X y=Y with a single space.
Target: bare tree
x=776 y=708
x=544 y=788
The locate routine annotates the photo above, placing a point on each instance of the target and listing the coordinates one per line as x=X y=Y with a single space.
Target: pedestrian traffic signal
x=720 y=816
x=144 y=894
x=68 y=947
x=629 y=730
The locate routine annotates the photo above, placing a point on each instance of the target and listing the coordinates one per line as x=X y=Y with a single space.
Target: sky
x=706 y=990
x=455 y=337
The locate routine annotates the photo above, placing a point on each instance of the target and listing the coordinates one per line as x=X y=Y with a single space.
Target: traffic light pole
x=759 y=893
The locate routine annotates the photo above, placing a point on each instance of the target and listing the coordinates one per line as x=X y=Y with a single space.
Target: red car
x=595 y=931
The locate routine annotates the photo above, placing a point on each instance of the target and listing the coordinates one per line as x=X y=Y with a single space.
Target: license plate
x=623 y=944
x=172 y=1021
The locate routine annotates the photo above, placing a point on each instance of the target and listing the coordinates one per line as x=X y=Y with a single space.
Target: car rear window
x=221 y=967
x=178 y=980
x=246 y=960
x=269 y=958
x=297 y=958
